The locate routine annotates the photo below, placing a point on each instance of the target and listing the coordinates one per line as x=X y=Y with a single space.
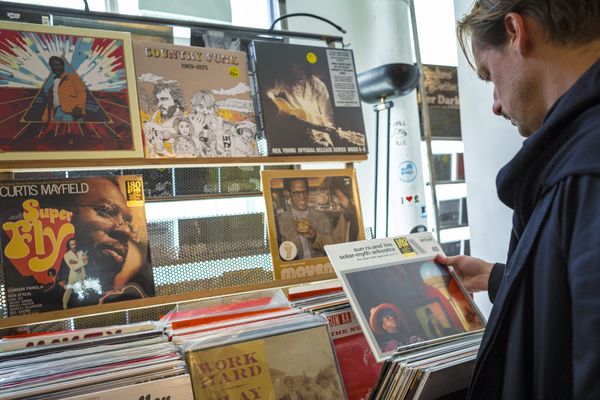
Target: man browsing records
x=544 y=61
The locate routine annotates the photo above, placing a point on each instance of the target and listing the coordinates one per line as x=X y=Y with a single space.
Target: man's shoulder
x=284 y=215
x=71 y=76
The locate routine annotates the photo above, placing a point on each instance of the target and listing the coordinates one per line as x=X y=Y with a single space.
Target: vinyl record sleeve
x=307 y=99
x=67 y=93
x=194 y=102
x=308 y=209
x=30 y=341
x=39 y=351
x=73 y=242
x=441 y=92
x=174 y=388
x=269 y=367
x=358 y=366
x=172 y=369
x=400 y=296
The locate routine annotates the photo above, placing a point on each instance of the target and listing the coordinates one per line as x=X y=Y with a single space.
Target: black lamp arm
x=336 y=26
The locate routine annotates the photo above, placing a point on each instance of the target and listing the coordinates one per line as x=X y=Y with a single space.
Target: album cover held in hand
x=307 y=99
x=66 y=93
x=400 y=296
x=194 y=102
x=306 y=210
x=73 y=242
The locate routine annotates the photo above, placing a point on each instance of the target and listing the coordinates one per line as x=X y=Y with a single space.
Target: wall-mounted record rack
x=253 y=274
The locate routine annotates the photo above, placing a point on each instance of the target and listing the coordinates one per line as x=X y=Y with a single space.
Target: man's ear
x=517 y=33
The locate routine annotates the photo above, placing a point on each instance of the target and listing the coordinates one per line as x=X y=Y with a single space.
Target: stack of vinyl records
x=126 y=365
x=358 y=366
x=193 y=320
x=442 y=370
x=290 y=357
x=415 y=315
x=317 y=295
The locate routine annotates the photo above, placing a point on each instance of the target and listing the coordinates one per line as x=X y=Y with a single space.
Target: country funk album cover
x=194 y=102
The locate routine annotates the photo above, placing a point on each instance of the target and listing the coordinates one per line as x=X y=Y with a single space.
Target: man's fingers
x=447 y=261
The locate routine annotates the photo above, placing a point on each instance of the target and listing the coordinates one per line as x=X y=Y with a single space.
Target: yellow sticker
x=311 y=57
x=234 y=72
x=135 y=193
x=404 y=246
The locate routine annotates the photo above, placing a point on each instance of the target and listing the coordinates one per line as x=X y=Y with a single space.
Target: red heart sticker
x=409 y=198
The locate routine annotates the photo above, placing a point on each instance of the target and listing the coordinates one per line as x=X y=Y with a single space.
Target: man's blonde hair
x=564 y=21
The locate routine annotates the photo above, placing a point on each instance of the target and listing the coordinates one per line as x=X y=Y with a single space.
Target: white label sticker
x=343 y=78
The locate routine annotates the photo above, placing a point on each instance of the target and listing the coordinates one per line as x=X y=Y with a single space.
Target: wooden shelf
x=130 y=163
x=52 y=316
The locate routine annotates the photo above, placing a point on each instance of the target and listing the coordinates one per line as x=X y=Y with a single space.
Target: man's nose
x=496 y=107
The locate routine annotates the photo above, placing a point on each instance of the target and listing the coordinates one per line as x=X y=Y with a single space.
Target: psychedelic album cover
x=306 y=210
x=66 y=93
x=69 y=243
x=194 y=102
x=400 y=296
x=293 y=365
x=307 y=99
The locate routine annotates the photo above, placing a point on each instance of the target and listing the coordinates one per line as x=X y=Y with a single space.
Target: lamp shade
x=387 y=81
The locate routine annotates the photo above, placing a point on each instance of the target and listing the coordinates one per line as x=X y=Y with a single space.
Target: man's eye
x=105 y=211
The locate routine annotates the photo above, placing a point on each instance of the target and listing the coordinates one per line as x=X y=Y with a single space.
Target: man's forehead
x=480 y=62
x=298 y=182
x=164 y=92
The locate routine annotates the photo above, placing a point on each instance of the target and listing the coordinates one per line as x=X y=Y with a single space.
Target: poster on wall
x=441 y=94
x=194 y=102
x=308 y=209
x=67 y=243
x=66 y=93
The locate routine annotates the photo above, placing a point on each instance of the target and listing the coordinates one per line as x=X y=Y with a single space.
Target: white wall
x=490 y=142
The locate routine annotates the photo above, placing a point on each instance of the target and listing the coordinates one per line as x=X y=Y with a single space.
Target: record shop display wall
x=212 y=255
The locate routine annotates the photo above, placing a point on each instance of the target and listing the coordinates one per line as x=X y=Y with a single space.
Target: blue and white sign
x=408 y=171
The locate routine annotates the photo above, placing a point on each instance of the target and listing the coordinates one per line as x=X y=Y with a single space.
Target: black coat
x=543 y=336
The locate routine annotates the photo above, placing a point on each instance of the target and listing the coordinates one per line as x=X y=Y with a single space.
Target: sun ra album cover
x=66 y=93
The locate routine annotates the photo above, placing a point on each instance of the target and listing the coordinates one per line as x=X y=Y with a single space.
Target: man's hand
x=310 y=234
x=473 y=272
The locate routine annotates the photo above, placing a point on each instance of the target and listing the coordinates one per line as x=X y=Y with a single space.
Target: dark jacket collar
x=567 y=143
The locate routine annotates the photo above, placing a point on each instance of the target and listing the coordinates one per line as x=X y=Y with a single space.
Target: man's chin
x=524 y=132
